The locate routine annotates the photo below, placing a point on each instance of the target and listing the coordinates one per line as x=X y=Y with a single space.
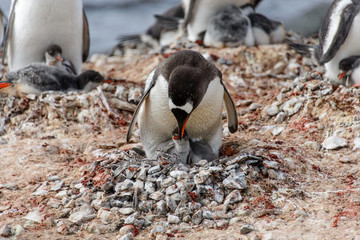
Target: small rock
x=84 y=214
x=34 y=216
x=280 y=117
x=156 y=196
x=255 y=106
x=275 y=174
x=197 y=217
x=271 y=164
x=161 y=207
x=233 y=197
x=57 y=186
x=334 y=143
x=245 y=229
x=313 y=145
x=154 y=169
x=128 y=236
x=173 y=219
x=272 y=110
x=53 y=178
x=172 y=189
x=235 y=220
x=356 y=143
x=277 y=131
x=126 y=230
x=157 y=229
x=201 y=177
x=236 y=182
x=179 y=175
x=292 y=106
x=131 y=219
x=126 y=211
x=6 y=231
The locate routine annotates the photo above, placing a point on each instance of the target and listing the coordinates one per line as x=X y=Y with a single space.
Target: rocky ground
x=290 y=172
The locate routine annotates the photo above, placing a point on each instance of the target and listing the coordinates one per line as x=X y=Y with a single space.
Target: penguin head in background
x=89 y=80
x=187 y=88
x=53 y=55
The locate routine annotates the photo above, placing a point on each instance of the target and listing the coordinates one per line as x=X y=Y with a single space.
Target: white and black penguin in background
x=185 y=92
x=35 y=24
x=199 y=12
x=2 y=27
x=157 y=35
x=229 y=27
x=265 y=30
x=338 y=38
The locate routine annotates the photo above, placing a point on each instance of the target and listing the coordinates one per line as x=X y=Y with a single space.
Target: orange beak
x=181 y=128
x=341 y=75
x=59 y=58
x=4 y=84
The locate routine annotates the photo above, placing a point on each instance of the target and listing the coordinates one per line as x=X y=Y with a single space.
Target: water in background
x=109 y=19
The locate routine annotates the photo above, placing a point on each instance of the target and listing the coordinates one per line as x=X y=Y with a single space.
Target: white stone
x=334 y=142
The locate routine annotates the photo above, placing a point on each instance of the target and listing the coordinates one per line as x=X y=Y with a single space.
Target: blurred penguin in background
x=35 y=24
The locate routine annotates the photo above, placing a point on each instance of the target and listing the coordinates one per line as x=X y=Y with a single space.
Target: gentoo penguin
x=158 y=34
x=350 y=71
x=188 y=150
x=35 y=24
x=229 y=27
x=185 y=92
x=2 y=26
x=199 y=12
x=37 y=78
x=338 y=37
x=265 y=30
x=53 y=57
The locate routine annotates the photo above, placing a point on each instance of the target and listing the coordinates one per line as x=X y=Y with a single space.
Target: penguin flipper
x=8 y=31
x=230 y=112
x=136 y=112
x=86 y=38
x=346 y=19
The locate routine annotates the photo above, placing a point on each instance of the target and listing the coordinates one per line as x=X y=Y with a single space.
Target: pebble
x=85 y=213
x=57 y=186
x=201 y=177
x=6 y=231
x=34 y=216
x=292 y=106
x=255 y=106
x=128 y=236
x=272 y=110
x=245 y=229
x=126 y=211
x=173 y=219
x=233 y=197
x=131 y=219
x=271 y=164
x=197 y=217
x=280 y=117
x=236 y=182
x=334 y=143
x=313 y=145
x=157 y=229
x=277 y=131
x=356 y=143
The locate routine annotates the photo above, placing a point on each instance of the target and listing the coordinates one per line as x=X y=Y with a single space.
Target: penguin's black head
x=53 y=54
x=187 y=87
x=89 y=77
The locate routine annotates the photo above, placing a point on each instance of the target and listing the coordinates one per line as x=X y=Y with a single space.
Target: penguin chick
x=37 y=78
x=199 y=12
x=229 y=27
x=188 y=150
x=185 y=92
x=350 y=68
x=53 y=57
